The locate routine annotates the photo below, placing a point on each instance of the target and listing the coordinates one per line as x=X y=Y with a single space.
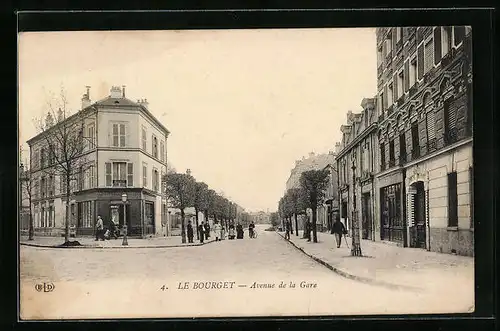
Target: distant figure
x=201 y=231
x=239 y=231
x=99 y=229
x=251 y=230
x=287 y=230
x=338 y=229
x=308 y=230
x=217 y=231
x=231 y=231
x=207 y=230
x=190 y=233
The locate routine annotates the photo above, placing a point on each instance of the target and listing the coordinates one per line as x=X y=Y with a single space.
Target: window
x=382 y=156
x=379 y=56
x=64 y=185
x=144 y=140
x=452 y=199
x=119 y=135
x=86 y=214
x=388 y=44
x=415 y=141
x=400 y=84
x=155 y=147
x=402 y=147
x=445 y=40
x=428 y=55
x=458 y=35
x=108 y=174
x=130 y=174
x=144 y=175
x=162 y=151
x=155 y=180
x=398 y=33
x=390 y=94
x=413 y=70
x=382 y=103
x=51 y=215
x=119 y=173
x=43 y=157
x=43 y=187
x=51 y=186
x=391 y=153
x=431 y=126
x=366 y=115
x=88 y=176
x=89 y=142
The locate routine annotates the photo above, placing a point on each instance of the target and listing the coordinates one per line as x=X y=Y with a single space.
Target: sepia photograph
x=245 y=173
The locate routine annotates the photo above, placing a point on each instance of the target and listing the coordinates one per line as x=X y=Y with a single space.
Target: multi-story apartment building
x=358 y=152
x=125 y=152
x=326 y=212
x=424 y=180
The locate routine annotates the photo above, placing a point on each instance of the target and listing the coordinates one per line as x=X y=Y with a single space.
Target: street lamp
x=356 y=245
x=124 y=200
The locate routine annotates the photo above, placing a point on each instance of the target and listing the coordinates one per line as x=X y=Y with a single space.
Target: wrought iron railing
x=450 y=136
x=392 y=163
x=402 y=158
x=431 y=145
x=415 y=153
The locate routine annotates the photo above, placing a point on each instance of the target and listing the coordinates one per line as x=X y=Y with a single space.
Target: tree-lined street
x=128 y=282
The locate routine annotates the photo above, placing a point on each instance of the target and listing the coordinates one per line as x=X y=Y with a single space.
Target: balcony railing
x=390 y=110
x=450 y=136
x=415 y=153
x=392 y=163
x=119 y=183
x=431 y=145
x=402 y=158
x=382 y=166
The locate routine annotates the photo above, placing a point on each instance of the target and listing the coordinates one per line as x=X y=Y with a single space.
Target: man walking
x=190 y=233
x=338 y=229
x=99 y=229
x=207 y=230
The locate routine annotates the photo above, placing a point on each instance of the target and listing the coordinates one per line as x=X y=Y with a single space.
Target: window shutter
x=385 y=105
x=123 y=136
x=407 y=76
x=108 y=173
x=452 y=199
x=431 y=125
x=437 y=45
x=420 y=61
x=130 y=174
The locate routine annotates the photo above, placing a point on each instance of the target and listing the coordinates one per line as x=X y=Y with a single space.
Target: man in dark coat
x=201 y=231
x=287 y=230
x=239 y=231
x=339 y=230
x=207 y=230
x=190 y=233
x=308 y=229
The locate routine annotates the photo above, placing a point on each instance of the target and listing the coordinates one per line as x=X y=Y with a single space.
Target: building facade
x=125 y=152
x=356 y=161
x=425 y=178
x=329 y=208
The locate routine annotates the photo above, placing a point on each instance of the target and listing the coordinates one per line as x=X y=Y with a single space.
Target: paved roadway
x=121 y=283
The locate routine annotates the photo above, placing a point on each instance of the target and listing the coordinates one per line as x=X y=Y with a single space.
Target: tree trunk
x=197 y=232
x=183 y=227
x=296 y=225
x=314 y=216
x=66 y=225
x=356 y=244
x=305 y=232
x=30 y=229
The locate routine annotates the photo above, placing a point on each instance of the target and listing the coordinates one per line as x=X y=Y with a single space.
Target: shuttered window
x=130 y=174
x=451 y=115
x=431 y=125
x=420 y=61
x=437 y=45
x=108 y=173
x=428 y=55
x=452 y=199
x=407 y=76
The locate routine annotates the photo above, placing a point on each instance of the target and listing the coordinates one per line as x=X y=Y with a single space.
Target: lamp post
x=124 y=200
x=356 y=245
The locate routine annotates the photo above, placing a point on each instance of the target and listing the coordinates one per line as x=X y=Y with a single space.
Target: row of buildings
x=405 y=161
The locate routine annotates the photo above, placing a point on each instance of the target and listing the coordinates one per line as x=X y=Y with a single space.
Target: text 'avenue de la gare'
x=211 y=285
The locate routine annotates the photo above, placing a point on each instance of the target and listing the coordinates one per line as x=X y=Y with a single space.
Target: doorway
x=366 y=216
x=419 y=214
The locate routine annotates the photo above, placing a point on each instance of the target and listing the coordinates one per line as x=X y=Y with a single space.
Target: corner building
x=425 y=177
x=126 y=153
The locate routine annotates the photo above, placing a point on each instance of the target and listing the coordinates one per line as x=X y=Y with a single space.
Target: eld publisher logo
x=45 y=287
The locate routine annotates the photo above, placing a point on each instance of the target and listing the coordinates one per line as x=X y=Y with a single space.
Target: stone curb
x=113 y=247
x=345 y=274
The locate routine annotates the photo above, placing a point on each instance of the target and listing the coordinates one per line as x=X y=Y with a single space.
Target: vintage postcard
x=245 y=173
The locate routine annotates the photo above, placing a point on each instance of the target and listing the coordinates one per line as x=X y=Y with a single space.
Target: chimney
x=123 y=89
x=116 y=92
x=86 y=98
x=349 y=117
x=143 y=102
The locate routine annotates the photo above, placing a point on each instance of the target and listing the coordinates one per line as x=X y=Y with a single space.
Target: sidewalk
x=89 y=242
x=392 y=266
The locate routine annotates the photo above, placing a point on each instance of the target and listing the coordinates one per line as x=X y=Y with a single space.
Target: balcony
x=415 y=153
x=382 y=166
x=392 y=163
x=451 y=136
x=431 y=145
x=119 y=183
x=413 y=90
x=390 y=110
x=402 y=159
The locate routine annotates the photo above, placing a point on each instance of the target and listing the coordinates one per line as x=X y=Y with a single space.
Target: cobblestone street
x=99 y=283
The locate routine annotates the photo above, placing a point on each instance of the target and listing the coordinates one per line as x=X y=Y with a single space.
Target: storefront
x=391 y=211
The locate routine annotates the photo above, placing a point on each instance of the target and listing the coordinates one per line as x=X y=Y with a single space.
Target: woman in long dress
x=217 y=231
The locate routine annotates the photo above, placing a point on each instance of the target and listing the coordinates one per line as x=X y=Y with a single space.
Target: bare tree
x=63 y=145
x=28 y=186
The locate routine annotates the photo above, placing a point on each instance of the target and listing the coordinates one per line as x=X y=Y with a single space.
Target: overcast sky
x=241 y=105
